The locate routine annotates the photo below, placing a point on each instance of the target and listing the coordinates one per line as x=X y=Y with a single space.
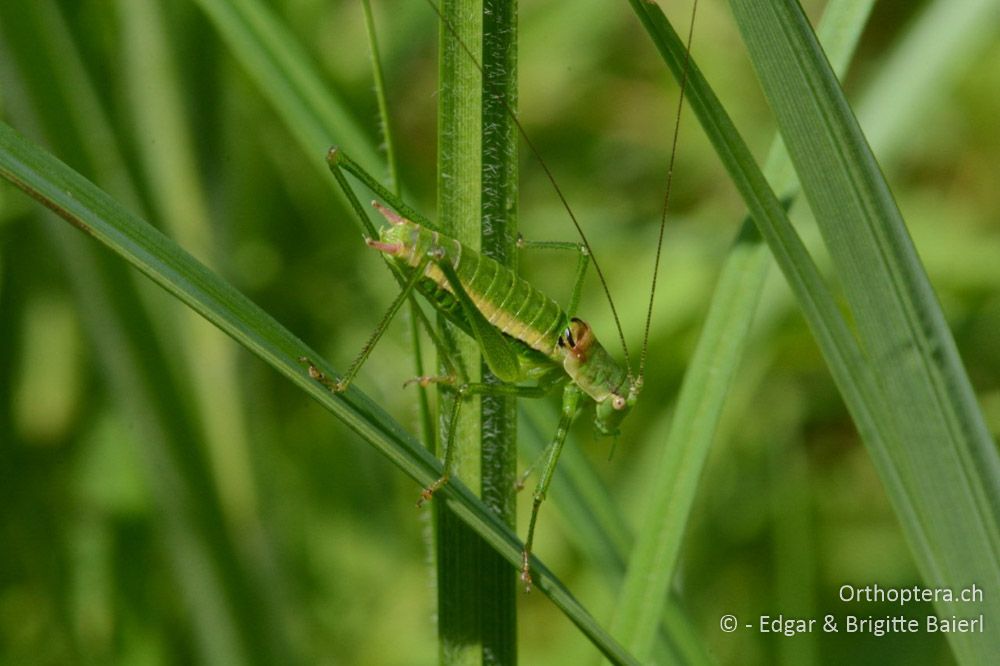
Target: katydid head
x=392 y=239
x=610 y=413
x=599 y=375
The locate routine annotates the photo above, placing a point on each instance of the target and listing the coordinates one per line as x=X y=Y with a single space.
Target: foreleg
x=570 y=404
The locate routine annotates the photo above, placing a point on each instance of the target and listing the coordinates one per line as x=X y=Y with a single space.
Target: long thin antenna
x=552 y=180
x=666 y=196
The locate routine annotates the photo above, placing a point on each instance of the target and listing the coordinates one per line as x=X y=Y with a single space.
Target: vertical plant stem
x=499 y=231
x=459 y=209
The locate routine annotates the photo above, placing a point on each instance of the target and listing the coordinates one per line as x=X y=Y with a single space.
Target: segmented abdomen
x=507 y=301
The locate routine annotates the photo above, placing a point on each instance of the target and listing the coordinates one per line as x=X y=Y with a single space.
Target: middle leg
x=582 y=262
x=464 y=392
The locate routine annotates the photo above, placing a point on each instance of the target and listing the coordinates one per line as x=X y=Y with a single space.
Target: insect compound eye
x=577 y=330
x=618 y=402
x=568 y=333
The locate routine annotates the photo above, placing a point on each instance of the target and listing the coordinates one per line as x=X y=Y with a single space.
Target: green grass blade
x=381 y=97
x=289 y=80
x=393 y=185
x=92 y=211
x=228 y=618
x=208 y=566
x=855 y=380
x=705 y=388
x=601 y=530
x=768 y=213
x=167 y=151
x=941 y=466
x=706 y=384
x=944 y=40
x=854 y=376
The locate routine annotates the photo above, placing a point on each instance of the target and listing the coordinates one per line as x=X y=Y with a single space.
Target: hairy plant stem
x=499 y=232
x=459 y=549
x=477 y=190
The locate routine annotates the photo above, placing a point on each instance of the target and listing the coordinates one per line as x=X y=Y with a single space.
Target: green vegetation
x=170 y=498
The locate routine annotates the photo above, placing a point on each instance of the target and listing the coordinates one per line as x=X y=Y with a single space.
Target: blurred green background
x=166 y=496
